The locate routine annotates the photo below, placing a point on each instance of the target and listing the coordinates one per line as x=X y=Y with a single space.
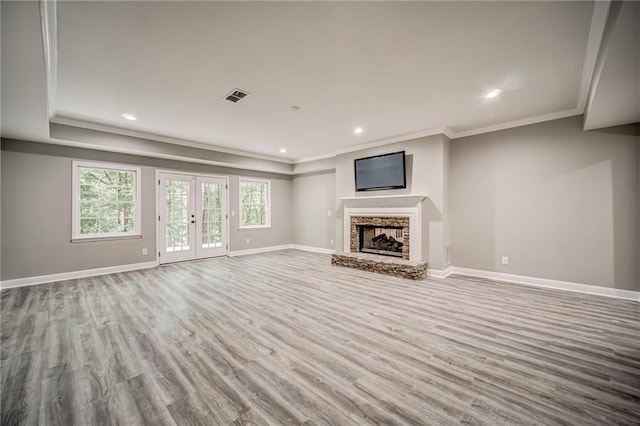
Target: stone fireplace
x=383 y=235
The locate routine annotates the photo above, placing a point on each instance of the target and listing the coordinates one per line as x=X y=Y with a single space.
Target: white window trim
x=75 y=202
x=249 y=179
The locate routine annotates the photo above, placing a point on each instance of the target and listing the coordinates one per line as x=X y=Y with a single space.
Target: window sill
x=254 y=228
x=105 y=238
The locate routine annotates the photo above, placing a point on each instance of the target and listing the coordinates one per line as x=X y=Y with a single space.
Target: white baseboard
x=439 y=273
x=547 y=283
x=41 y=279
x=312 y=249
x=258 y=250
x=280 y=247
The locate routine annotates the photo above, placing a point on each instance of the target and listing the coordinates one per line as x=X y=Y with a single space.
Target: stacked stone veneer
x=400 y=222
x=381 y=264
x=387 y=265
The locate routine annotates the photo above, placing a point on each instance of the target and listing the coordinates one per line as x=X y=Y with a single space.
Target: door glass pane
x=177 y=215
x=211 y=222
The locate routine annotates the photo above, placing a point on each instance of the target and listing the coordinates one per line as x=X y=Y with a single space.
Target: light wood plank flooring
x=286 y=338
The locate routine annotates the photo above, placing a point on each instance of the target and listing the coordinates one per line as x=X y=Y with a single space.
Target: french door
x=192 y=214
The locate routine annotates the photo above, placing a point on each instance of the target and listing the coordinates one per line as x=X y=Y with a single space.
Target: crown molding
x=517 y=123
x=159 y=138
x=601 y=23
x=448 y=133
x=394 y=139
x=74 y=144
x=368 y=145
x=378 y=142
x=314 y=158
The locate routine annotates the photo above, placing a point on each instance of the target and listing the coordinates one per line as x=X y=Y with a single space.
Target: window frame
x=268 y=204
x=76 y=234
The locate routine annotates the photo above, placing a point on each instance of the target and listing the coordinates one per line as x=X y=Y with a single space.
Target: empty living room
x=320 y=212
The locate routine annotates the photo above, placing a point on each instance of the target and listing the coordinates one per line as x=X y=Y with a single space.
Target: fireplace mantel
x=403 y=205
x=402 y=200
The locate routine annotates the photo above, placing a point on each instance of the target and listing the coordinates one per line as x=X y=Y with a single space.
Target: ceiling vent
x=236 y=95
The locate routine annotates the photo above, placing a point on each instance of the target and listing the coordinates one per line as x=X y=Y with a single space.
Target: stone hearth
x=381 y=264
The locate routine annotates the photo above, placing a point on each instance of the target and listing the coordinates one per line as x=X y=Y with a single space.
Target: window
x=255 y=203
x=106 y=200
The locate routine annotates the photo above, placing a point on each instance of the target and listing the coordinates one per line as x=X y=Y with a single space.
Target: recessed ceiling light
x=129 y=116
x=357 y=130
x=282 y=150
x=493 y=93
x=295 y=108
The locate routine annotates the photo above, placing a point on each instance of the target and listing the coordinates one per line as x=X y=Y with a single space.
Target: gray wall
x=560 y=202
x=425 y=175
x=36 y=211
x=314 y=198
x=321 y=165
x=281 y=217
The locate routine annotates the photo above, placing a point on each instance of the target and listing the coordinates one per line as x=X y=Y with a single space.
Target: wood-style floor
x=286 y=338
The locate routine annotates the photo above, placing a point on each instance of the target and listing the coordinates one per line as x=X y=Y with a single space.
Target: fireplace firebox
x=383 y=240
x=383 y=235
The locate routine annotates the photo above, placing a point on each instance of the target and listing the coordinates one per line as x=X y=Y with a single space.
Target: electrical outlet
x=233 y=212
x=248 y=240
x=505 y=260
x=145 y=251
x=332 y=241
x=329 y=213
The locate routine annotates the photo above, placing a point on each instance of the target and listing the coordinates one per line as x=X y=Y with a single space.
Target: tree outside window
x=106 y=201
x=254 y=203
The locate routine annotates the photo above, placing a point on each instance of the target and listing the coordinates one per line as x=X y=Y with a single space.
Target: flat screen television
x=380 y=172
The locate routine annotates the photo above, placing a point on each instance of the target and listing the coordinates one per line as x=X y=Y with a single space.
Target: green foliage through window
x=211 y=221
x=106 y=201
x=254 y=200
x=177 y=211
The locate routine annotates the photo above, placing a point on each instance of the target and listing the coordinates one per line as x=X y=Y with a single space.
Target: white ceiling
x=398 y=69
x=392 y=68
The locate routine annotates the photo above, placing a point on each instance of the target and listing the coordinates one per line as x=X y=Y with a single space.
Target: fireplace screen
x=385 y=240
